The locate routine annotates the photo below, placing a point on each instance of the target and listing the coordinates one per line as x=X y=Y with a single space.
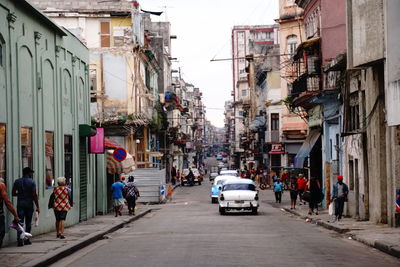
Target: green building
x=44 y=110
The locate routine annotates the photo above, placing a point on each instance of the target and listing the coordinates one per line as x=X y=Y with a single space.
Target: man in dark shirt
x=4 y=200
x=25 y=190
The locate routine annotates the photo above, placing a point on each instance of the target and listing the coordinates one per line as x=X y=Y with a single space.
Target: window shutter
x=105 y=38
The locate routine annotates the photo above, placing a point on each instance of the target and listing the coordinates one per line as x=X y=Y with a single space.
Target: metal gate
x=83 y=179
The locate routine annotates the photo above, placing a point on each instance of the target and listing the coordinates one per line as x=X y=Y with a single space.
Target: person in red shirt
x=4 y=199
x=301 y=186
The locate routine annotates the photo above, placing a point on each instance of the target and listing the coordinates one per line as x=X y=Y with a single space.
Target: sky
x=203 y=29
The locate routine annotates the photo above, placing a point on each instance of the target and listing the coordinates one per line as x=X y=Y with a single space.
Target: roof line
x=41 y=16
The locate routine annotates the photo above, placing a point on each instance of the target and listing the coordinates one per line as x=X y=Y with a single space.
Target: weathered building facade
x=250 y=45
x=371 y=110
x=45 y=115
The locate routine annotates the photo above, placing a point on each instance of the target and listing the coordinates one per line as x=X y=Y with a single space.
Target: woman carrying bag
x=315 y=195
x=62 y=204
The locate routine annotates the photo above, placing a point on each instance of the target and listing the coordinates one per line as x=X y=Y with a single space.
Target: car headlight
x=221 y=197
x=256 y=197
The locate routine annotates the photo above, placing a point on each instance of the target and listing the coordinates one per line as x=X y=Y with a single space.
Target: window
x=275 y=122
x=275 y=160
x=105 y=37
x=3 y=150
x=68 y=167
x=49 y=164
x=26 y=147
x=291 y=44
x=354 y=113
x=351 y=175
x=244 y=92
x=93 y=85
x=232 y=187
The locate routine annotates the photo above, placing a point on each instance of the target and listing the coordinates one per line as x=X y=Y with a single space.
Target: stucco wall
x=367 y=31
x=46 y=74
x=333 y=28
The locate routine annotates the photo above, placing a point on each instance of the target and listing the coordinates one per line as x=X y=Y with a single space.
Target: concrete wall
x=393 y=62
x=372 y=81
x=367 y=31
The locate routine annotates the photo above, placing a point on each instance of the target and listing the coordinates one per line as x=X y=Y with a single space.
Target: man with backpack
x=131 y=193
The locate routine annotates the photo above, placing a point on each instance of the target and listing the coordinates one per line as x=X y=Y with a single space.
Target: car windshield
x=230 y=187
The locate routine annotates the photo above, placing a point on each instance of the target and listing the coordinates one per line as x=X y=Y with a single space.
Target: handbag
x=50 y=205
x=306 y=196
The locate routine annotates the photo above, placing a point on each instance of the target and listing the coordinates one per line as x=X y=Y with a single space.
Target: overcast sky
x=203 y=29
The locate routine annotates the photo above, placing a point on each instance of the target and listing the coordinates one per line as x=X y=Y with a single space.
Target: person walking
x=118 y=199
x=62 y=204
x=293 y=192
x=339 y=196
x=131 y=193
x=5 y=200
x=190 y=177
x=278 y=188
x=315 y=195
x=301 y=187
x=25 y=190
x=178 y=176
x=173 y=175
x=170 y=191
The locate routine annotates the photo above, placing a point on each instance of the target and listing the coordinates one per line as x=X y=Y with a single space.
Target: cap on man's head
x=340 y=177
x=27 y=170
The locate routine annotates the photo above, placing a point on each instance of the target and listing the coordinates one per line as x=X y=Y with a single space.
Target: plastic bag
x=331 y=209
x=20 y=230
x=36 y=219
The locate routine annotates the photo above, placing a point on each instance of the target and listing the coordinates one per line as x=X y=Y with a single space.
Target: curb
x=65 y=251
x=319 y=222
x=393 y=250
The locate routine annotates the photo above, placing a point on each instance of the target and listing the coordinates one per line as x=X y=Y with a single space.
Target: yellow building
x=291 y=30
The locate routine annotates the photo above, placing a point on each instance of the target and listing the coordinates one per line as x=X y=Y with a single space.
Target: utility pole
x=252 y=85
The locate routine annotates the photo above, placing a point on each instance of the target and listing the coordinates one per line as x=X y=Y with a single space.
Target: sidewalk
x=46 y=248
x=381 y=237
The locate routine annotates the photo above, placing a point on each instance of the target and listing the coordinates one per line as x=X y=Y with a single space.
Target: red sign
x=120 y=154
x=97 y=142
x=277 y=149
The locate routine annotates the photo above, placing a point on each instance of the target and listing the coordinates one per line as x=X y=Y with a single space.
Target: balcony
x=305 y=88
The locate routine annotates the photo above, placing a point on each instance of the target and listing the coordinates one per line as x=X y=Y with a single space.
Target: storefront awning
x=116 y=167
x=306 y=148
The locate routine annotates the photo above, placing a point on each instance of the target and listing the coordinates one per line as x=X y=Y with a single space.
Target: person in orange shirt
x=170 y=191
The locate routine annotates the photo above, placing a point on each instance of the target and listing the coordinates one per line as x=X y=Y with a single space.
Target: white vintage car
x=229 y=172
x=238 y=194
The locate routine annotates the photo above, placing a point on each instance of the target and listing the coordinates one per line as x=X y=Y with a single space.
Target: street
x=190 y=232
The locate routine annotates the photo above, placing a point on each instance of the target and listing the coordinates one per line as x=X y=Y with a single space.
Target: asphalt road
x=190 y=232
